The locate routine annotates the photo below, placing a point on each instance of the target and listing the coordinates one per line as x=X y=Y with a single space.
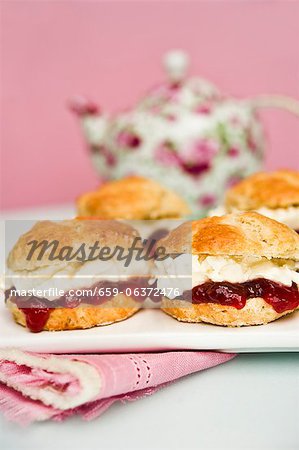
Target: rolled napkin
x=36 y=387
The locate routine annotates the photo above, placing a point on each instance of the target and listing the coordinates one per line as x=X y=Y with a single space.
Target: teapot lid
x=179 y=91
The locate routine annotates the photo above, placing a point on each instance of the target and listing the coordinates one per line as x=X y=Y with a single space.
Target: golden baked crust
x=119 y=308
x=71 y=233
x=178 y=240
x=278 y=189
x=132 y=198
x=239 y=234
x=255 y=312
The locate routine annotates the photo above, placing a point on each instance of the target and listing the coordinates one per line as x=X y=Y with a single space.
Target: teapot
x=184 y=133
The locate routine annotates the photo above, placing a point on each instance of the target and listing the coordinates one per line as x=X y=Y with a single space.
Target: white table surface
x=251 y=402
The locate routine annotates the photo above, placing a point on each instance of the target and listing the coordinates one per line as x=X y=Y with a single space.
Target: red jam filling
x=37 y=310
x=281 y=298
x=37 y=315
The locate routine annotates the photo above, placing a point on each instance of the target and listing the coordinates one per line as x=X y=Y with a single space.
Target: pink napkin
x=39 y=386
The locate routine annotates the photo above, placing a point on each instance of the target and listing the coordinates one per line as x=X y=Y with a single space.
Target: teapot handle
x=275 y=101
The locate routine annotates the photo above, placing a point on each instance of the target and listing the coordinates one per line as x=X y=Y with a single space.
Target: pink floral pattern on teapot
x=184 y=133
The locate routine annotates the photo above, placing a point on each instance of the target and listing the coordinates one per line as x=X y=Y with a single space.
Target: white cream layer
x=237 y=270
x=75 y=275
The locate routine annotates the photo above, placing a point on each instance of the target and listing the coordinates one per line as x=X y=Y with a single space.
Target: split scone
x=243 y=270
x=132 y=198
x=57 y=284
x=273 y=194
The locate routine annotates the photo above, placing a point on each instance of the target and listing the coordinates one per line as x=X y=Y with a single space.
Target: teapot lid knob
x=176 y=63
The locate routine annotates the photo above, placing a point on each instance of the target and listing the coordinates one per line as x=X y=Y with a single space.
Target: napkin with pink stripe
x=35 y=387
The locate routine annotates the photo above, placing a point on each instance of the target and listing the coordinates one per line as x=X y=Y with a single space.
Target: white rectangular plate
x=152 y=330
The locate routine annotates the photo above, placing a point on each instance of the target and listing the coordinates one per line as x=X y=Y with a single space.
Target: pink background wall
x=111 y=51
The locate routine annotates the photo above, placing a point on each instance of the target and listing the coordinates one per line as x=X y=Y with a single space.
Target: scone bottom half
x=80 y=317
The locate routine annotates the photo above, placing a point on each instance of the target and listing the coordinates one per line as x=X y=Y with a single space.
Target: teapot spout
x=93 y=121
x=82 y=106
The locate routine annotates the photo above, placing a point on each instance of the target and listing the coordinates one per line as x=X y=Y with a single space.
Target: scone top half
x=237 y=259
x=68 y=234
x=273 y=194
x=132 y=198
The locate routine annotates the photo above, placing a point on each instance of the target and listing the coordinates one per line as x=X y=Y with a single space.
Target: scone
x=132 y=198
x=273 y=194
x=55 y=283
x=243 y=270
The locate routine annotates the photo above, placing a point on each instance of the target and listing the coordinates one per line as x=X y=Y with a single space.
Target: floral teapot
x=183 y=133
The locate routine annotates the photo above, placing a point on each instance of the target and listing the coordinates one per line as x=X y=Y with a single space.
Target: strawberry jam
x=281 y=298
x=36 y=318
x=36 y=310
